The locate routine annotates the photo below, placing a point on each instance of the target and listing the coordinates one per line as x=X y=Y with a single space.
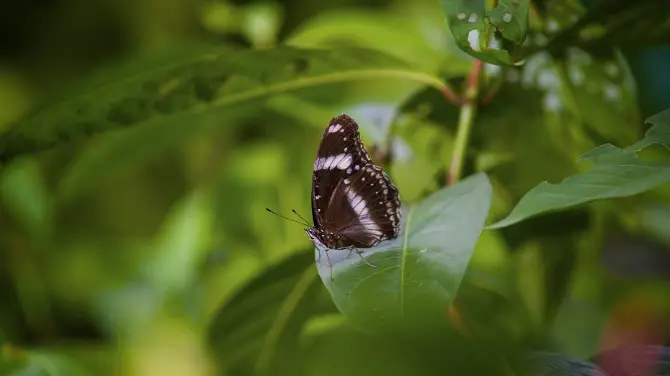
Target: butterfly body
x=354 y=203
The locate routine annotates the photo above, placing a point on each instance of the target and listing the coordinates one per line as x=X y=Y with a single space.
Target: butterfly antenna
x=300 y=216
x=286 y=218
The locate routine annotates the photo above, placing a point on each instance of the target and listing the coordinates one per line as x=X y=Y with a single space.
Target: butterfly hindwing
x=371 y=205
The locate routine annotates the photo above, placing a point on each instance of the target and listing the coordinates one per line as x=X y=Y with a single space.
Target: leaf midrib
x=283 y=316
x=403 y=262
x=323 y=79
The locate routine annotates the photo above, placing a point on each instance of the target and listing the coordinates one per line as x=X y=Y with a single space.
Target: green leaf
x=214 y=92
x=511 y=19
x=181 y=244
x=616 y=173
x=659 y=133
x=475 y=24
x=416 y=275
x=25 y=195
x=392 y=33
x=266 y=316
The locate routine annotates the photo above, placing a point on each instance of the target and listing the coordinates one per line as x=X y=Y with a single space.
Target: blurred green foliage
x=140 y=143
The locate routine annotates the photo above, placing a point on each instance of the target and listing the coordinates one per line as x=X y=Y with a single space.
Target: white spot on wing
x=357 y=203
x=335 y=128
x=341 y=161
x=359 y=207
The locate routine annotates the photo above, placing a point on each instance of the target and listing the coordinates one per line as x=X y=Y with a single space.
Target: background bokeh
x=152 y=254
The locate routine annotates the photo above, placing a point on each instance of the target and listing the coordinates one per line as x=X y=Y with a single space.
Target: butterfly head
x=324 y=239
x=316 y=235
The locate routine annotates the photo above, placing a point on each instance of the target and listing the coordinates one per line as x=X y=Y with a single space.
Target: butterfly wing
x=365 y=208
x=340 y=154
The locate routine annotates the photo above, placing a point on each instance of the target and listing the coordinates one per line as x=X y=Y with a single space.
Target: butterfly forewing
x=354 y=203
x=340 y=153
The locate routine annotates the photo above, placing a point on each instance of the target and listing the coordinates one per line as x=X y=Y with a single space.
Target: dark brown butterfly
x=354 y=203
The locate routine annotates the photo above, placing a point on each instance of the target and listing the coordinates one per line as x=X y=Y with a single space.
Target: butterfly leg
x=360 y=254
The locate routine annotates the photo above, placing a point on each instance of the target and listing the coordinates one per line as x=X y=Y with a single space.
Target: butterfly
x=354 y=203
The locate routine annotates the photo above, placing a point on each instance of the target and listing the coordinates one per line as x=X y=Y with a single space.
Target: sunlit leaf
x=616 y=172
x=416 y=275
x=475 y=26
x=389 y=33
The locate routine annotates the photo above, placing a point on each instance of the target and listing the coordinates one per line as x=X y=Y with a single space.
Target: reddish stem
x=450 y=96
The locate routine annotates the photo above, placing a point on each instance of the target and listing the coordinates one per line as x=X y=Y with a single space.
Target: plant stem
x=450 y=95
x=465 y=120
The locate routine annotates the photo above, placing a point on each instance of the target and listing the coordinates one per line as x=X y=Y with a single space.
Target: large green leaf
x=416 y=275
x=391 y=32
x=264 y=319
x=475 y=24
x=191 y=99
x=616 y=173
x=194 y=85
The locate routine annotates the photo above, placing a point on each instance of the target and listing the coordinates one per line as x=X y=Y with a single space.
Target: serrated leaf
x=616 y=172
x=475 y=25
x=416 y=275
